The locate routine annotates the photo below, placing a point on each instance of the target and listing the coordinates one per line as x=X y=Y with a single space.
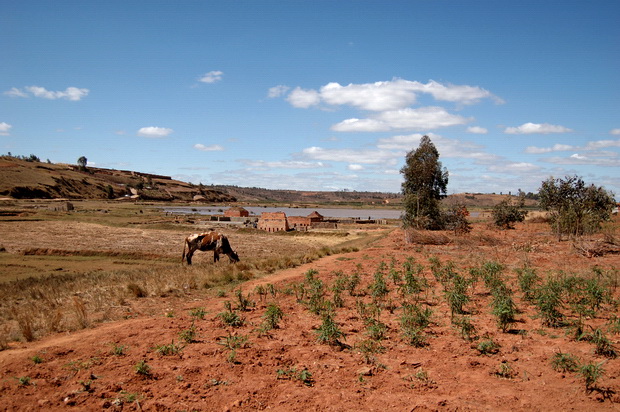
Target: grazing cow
x=214 y=241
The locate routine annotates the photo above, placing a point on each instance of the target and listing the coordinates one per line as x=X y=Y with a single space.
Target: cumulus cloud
x=387 y=95
x=277 y=91
x=5 y=129
x=355 y=167
x=154 y=131
x=615 y=132
x=537 y=128
x=211 y=148
x=602 y=144
x=212 y=76
x=477 y=130
x=513 y=167
x=303 y=99
x=70 y=93
x=424 y=118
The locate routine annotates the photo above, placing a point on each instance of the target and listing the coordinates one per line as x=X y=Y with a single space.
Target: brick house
x=236 y=212
x=273 y=222
x=299 y=222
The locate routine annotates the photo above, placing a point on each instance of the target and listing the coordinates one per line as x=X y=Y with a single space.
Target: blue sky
x=316 y=95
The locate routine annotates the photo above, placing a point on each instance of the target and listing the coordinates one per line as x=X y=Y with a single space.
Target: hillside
x=22 y=179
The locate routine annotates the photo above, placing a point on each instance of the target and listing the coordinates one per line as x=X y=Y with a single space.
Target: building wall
x=273 y=222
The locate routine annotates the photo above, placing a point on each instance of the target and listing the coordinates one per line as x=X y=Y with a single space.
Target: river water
x=297 y=211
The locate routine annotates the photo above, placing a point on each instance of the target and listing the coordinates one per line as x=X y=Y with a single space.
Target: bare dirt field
x=215 y=350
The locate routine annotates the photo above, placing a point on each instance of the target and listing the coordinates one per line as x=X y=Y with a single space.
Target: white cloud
x=379 y=96
x=289 y=164
x=387 y=95
x=15 y=92
x=355 y=167
x=424 y=118
x=601 y=144
x=277 y=91
x=513 y=167
x=615 y=132
x=532 y=128
x=5 y=129
x=353 y=156
x=477 y=130
x=153 y=131
x=555 y=148
x=70 y=93
x=303 y=98
x=212 y=76
x=211 y=148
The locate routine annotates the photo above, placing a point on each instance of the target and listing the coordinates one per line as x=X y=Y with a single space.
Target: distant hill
x=22 y=178
x=26 y=179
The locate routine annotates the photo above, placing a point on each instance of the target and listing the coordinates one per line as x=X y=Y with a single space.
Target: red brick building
x=273 y=222
x=236 y=212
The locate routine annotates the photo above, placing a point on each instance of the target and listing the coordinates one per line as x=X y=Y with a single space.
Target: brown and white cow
x=214 y=241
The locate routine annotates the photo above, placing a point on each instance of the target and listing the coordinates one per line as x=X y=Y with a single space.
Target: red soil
x=78 y=370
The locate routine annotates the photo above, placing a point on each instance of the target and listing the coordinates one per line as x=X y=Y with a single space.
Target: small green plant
x=456 y=294
x=505 y=370
x=118 y=349
x=488 y=347
x=243 y=303
x=378 y=289
x=189 y=335
x=368 y=348
x=198 y=313
x=375 y=329
x=329 y=332
x=36 y=359
x=143 y=369
x=549 y=302
x=504 y=309
x=564 y=362
x=528 y=279
x=273 y=315
x=230 y=317
x=413 y=321
x=169 y=349
x=466 y=329
x=87 y=386
x=24 y=380
x=614 y=324
x=604 y=347
x=304 y=375
x=591 y=372
x=233 y=342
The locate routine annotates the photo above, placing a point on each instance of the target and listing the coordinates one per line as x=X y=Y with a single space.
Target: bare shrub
x=81 y=314
x=25 y=321
x=136 y=290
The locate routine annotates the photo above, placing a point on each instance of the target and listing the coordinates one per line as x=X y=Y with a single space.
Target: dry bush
x=136 y=290
x=425 y=237
x=81 y=313
x=25 y=321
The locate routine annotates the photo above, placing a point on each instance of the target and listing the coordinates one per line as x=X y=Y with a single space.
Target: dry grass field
x=97 y=312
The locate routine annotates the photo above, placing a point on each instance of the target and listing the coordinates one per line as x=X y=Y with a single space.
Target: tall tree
x=425 y=184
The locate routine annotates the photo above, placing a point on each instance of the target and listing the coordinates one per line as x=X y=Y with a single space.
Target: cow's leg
x=189 y=255
x=216 y=256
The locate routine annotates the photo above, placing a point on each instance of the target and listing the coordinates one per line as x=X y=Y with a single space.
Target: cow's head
x=233 y=256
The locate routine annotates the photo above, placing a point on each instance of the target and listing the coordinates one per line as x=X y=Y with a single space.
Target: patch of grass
x=198 y=313
x=24 y=381
x=505 y=370
x=119 y=349
x=36 y=359
x=189 y=335
x=466 y=329
x=230 y=317
x=369 y=348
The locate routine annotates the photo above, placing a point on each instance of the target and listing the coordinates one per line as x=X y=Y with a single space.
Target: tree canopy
x=576 y=208
x=425 y=184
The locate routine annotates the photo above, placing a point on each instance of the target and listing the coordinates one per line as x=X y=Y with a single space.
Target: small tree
x=576 y=209
x=82 y=161
x=426 y=183
x=509 y=211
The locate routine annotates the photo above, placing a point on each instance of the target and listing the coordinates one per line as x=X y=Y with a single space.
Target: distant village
x=278 y=221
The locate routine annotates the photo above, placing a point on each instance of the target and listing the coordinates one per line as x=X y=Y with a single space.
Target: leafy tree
x=425 y=184
x=576 y=208
x=82 y=161
x=508 y=212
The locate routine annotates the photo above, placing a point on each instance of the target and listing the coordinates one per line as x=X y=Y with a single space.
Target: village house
x=277 y=221
x=236 y=212
x=273 y=222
